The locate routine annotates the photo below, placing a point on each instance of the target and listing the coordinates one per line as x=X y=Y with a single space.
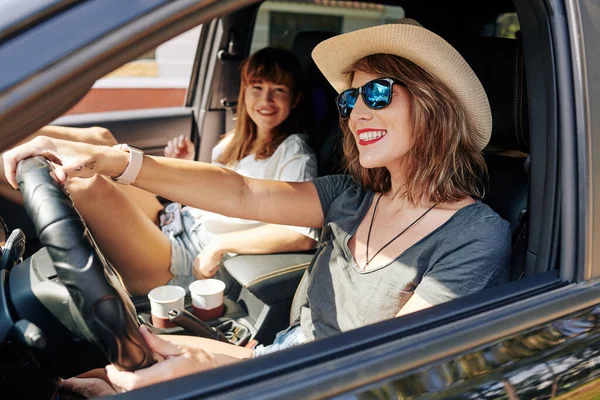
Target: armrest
x=272 y=278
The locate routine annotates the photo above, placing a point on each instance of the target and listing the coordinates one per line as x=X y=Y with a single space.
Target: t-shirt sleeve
x=298 y=163
x=221 y=146
x=331 y=187
x=475 y=260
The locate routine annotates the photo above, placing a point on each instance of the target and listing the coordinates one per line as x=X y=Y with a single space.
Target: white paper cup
x=162 y=300
x=207 y=298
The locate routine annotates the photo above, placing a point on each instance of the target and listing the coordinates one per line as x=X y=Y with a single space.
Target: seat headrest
x=320 y=95
x=499 y=64
x=303 y=45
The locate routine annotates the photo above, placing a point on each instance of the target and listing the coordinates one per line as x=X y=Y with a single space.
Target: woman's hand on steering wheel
x=70 y=158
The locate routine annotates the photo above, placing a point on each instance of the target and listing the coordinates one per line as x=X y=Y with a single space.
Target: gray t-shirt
x=469 y=252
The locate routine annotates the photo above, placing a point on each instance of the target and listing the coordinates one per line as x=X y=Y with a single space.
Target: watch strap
x=136 y=159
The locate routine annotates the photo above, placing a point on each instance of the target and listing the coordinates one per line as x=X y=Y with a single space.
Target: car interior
x=522 y=160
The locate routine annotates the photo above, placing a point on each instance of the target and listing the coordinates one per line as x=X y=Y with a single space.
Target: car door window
x=158 y=78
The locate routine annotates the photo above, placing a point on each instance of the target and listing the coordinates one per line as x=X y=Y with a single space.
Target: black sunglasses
x=376 y=94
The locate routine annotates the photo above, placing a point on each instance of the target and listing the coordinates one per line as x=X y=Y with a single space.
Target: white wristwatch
x=136 y=159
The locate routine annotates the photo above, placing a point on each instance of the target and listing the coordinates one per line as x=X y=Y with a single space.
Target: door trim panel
x=147 y=129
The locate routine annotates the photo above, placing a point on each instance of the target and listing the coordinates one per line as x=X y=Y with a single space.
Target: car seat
x=320 y=100
x=499 y=64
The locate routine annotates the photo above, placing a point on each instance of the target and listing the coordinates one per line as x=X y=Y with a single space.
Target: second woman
x=267 y=143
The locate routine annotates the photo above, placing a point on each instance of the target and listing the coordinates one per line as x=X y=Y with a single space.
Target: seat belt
x=518 y=254
x=519 y=248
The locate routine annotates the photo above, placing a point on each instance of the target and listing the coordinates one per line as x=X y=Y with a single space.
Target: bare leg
x=212 y=346
x=127 y=237
x=146 y=201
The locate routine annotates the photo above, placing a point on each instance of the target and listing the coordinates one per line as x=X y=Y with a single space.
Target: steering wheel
x=104 y=312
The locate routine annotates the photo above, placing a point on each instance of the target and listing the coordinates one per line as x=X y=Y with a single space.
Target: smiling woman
x=271 y=92
x=422 y=107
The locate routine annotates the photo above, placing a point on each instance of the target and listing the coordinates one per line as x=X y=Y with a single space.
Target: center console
x=258 y=297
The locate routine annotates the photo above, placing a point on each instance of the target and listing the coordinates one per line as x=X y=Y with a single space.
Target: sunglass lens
x=346 y=101
x=378 y=94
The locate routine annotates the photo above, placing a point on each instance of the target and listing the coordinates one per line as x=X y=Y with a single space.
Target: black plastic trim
x=571 y=220
x=6 y=319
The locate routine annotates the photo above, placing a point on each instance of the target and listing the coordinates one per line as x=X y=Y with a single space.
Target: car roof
x=17 y=14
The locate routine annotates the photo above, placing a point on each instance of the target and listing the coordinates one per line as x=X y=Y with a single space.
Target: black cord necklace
x=394 y=238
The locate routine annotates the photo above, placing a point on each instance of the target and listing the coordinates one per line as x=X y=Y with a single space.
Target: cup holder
x=233 y=324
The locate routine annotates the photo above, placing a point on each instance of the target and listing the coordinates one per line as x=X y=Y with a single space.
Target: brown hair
x=444 y=162
x=275 y=65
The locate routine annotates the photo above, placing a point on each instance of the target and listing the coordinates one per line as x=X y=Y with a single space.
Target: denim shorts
x=185 y=247
x=289 y=337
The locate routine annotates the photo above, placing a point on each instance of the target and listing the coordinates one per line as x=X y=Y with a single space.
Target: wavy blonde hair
x=274 y=65
x=444 y=162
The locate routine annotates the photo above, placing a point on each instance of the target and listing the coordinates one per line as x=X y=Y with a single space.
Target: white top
x=292 y=161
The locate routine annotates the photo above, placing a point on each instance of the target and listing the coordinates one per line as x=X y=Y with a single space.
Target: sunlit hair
x=444 y=162
x=278 y=66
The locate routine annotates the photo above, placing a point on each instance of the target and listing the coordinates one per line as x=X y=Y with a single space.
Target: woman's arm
x=177 y=355
x=264 y=239
x=199 y=185
x=414 y=304
x=226 y=192
x=92 y=135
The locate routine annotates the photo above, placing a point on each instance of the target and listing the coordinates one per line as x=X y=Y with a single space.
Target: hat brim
x=417 y=44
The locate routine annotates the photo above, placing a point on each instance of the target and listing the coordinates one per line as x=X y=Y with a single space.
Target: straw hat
x=408 y=39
